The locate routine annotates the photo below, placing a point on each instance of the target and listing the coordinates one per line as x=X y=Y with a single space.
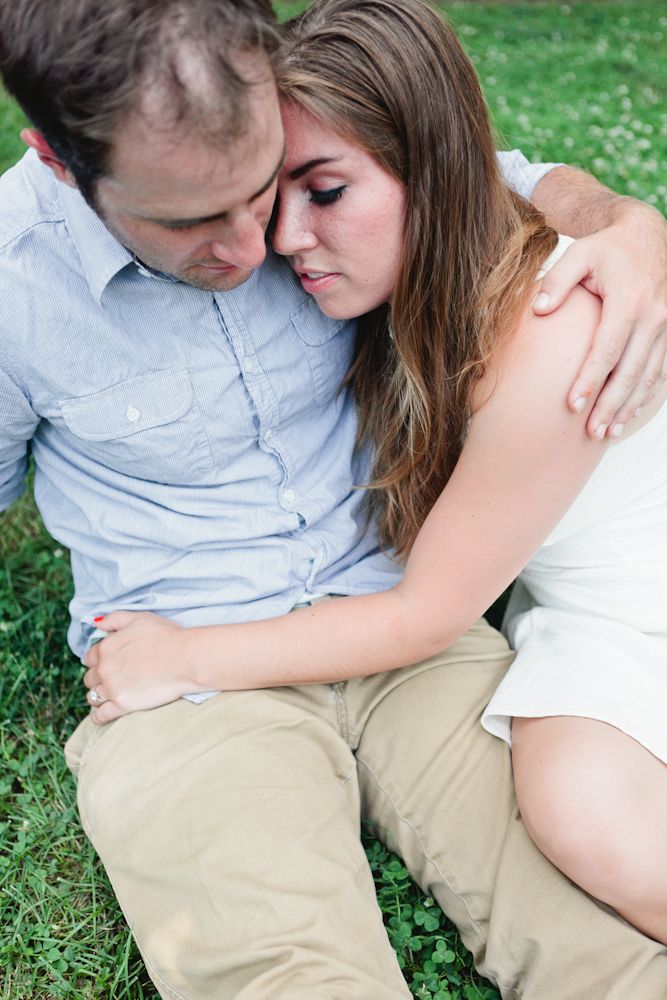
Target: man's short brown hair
x=78 y=68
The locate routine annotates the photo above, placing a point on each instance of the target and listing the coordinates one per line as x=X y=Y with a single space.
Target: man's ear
x=36 y=141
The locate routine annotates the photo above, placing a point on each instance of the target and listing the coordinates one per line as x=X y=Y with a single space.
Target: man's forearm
x=576 y=204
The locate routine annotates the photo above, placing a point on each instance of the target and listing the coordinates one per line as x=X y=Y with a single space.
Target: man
x=194 y=454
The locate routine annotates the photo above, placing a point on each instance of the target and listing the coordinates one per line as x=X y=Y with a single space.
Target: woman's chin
x=337 y=312
x=339 y=308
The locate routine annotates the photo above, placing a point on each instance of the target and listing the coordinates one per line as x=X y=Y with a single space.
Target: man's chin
x=210 y=279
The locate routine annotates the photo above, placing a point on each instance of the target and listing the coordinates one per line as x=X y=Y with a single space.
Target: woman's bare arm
x=525 y=459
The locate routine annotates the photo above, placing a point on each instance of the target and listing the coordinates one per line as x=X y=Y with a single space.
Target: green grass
x=583 y=81
x=12 y=121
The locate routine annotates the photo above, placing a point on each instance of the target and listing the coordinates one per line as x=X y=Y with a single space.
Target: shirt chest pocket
x=328 y=346
x=148 y=427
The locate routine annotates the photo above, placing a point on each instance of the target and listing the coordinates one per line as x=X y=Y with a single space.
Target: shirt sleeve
x=17 y=425
x=522 y=175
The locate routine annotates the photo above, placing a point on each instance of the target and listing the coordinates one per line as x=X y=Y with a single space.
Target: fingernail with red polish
x=100 y=618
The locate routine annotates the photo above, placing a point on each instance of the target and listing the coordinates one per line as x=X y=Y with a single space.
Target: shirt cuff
x=522 y=175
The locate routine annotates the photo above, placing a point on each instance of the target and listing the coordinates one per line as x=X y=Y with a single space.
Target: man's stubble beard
x=223 y=282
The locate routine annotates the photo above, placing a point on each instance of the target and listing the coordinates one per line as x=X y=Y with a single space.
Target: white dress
x=588 y=614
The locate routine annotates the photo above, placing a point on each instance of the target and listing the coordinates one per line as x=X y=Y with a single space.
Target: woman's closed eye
x=326 y=197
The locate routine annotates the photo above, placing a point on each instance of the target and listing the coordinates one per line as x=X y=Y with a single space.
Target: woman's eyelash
x=326 y=197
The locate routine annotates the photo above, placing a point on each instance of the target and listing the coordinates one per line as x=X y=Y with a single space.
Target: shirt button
x=132 y=414
x=289 y=496
x=249 y=365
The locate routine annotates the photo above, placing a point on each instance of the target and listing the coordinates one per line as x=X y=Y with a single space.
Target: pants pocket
x=80 y=743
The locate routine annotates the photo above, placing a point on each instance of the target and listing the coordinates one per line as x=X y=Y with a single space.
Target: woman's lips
x=315 y=282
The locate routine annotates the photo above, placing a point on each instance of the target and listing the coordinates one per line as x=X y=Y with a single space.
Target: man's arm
x=578 y=205
x=621 y=256
x=17 y=425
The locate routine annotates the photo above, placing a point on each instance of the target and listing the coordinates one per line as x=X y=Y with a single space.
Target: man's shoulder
x=28 y=199
x=33 y=258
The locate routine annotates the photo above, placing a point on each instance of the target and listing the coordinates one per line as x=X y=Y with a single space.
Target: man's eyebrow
x=310 y=165
x=176 y=223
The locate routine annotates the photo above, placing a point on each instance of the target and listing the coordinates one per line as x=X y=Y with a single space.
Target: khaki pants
x=230 y=832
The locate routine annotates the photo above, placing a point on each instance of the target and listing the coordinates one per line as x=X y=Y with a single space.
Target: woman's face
x=339 y=218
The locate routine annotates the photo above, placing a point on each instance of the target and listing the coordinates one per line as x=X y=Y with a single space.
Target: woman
x=391 y=207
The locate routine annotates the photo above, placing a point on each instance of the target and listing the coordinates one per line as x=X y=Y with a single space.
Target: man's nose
x=244 y=244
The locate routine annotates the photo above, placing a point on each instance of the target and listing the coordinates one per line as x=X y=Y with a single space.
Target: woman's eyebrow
x=305 y=167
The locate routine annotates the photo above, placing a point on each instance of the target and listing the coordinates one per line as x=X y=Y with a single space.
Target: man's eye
x=326 y=197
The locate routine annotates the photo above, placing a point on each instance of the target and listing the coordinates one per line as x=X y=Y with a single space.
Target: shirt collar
x=100 y=253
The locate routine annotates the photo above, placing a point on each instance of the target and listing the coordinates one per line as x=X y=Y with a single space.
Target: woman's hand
x=625 y=264
x=140 y=665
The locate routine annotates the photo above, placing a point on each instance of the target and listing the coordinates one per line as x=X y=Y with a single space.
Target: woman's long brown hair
x=390 y=76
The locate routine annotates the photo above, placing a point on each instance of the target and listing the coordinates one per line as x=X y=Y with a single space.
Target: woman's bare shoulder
x=540 y=358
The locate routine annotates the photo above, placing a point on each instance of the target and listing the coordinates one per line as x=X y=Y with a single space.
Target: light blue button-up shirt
x=192 y=448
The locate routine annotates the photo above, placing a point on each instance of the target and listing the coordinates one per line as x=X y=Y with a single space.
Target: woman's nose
x=290 y=233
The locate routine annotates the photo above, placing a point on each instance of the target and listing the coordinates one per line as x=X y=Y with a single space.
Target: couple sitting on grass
x=203 y=415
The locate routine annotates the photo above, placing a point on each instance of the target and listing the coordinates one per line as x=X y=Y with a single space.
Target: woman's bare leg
x=595 y=803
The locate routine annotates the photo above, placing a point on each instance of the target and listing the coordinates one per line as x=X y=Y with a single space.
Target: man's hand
x=140 y=665
x=624 y=262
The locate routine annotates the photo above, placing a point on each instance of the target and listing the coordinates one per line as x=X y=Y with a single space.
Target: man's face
x=191 y=209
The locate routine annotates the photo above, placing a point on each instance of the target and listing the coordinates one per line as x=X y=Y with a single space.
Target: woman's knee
x=562 y=797
x=577 y=789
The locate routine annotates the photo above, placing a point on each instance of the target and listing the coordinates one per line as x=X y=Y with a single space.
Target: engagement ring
x=96 y=698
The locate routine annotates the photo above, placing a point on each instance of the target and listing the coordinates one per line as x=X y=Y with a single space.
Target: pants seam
x=341 y=712
x=508 y=990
